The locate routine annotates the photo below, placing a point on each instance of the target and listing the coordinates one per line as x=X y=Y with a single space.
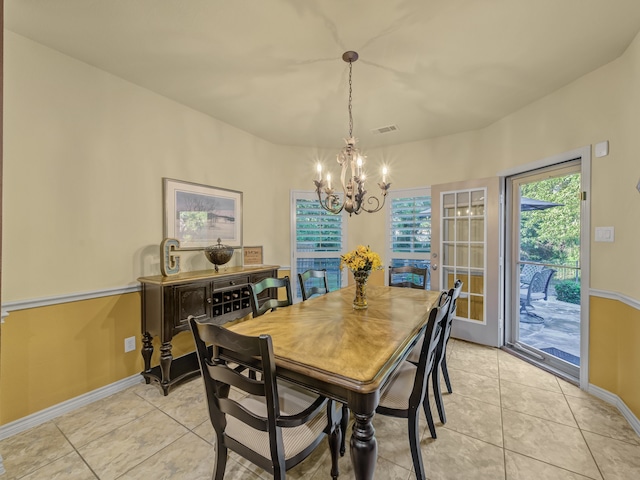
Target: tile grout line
x=77 y=451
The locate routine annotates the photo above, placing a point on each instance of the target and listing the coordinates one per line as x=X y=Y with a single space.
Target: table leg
x=363 y=445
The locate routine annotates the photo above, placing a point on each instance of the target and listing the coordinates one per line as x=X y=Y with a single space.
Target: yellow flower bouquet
x=361 y=259
x=361 y=262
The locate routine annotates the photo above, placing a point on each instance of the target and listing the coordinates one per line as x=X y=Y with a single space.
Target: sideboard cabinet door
x=191 y=299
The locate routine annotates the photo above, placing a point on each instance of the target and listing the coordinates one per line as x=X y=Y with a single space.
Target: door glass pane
x=462 y=230
x=477 y=283
x=476 y=307
x=448 y=232
x=462 y=204
x=477 y=256
x=477 y=202
x=462 y=255
x=448 y=257
x=462 y=309
x=477 y=229
x=463 y=276
x=449 y=278
x=448 y=205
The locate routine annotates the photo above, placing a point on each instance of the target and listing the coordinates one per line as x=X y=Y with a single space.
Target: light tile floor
x=506 y=420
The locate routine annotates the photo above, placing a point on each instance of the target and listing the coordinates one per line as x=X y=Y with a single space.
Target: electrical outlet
x=129 y=344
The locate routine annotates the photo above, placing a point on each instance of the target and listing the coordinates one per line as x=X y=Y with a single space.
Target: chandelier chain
x=350 y=113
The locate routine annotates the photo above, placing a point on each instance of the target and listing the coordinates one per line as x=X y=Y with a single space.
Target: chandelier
x=352 y=175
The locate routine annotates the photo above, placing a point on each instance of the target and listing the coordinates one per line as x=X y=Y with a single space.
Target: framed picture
x=197 y=215
x=252 y=256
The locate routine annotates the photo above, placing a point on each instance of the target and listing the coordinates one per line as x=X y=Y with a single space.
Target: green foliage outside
x=552 y=236
x=568 y=291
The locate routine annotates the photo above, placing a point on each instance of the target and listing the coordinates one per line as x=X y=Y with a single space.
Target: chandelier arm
x=331 y=202
x=378 y=205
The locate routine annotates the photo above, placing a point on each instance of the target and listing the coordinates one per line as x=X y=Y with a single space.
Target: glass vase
x=360 y=300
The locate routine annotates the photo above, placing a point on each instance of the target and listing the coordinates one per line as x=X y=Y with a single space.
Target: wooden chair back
x=313 y=282
x=260 y=408
x=410 y=277
x=260 y=308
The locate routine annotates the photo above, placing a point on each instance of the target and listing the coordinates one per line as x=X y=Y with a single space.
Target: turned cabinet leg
x=165 y=364
x=147 y=351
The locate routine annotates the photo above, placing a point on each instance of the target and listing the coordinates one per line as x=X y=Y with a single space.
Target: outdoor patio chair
x=538 y=289
x=528 y=271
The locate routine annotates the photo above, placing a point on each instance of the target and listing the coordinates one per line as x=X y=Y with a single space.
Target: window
x=409 y=228
x=318 y=239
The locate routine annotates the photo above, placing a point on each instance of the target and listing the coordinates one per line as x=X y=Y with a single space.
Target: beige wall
x=85 y=152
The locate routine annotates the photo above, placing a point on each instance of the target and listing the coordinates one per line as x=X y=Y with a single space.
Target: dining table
x=327 y=346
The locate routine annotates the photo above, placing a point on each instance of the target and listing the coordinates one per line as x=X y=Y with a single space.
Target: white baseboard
x=616 y=401
x=50 y=413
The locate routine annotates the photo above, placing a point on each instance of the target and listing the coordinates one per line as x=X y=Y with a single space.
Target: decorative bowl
x=218 y=254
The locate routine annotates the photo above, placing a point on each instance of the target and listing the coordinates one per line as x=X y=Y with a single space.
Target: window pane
x=411 y=224
x=316 y=229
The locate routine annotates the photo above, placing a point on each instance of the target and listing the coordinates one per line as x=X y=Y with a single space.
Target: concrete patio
x=558 y=328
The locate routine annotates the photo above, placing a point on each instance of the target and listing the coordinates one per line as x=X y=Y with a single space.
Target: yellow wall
x=614 y=356
x=55 y=353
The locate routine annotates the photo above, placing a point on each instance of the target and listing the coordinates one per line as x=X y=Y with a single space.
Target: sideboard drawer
x=238 y=280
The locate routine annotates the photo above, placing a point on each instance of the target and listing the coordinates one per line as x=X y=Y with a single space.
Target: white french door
x=466 y=246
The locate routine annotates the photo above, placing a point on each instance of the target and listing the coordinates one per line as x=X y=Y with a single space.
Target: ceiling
x=274 y=68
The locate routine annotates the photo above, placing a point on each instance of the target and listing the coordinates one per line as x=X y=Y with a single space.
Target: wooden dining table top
x=324 y=338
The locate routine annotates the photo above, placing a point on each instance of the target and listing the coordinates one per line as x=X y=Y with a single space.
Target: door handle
x=434 y=266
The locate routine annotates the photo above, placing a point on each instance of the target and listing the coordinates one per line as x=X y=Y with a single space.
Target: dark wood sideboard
x=167 y=302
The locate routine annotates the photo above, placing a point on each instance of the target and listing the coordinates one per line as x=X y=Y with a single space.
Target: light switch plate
x=604 y=234
x=602 y=149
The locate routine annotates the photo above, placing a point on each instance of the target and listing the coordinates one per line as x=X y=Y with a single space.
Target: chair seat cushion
x=396 y=393
x=292 y=400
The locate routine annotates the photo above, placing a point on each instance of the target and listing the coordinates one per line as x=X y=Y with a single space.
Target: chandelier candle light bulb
x=352 y=175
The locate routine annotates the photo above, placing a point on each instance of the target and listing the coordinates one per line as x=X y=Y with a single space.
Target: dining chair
x=409 y=277
x=275 y=424
x=407 y=389
x=313 y=282
x=440 y=363
x=272 y=303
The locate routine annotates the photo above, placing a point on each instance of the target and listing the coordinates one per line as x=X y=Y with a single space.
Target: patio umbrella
x=529 y=204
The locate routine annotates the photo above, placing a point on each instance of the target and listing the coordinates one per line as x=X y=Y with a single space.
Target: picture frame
x=197 y=215
x=252 y=256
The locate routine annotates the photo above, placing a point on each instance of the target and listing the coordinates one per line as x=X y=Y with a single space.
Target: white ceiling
x=273 y=67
